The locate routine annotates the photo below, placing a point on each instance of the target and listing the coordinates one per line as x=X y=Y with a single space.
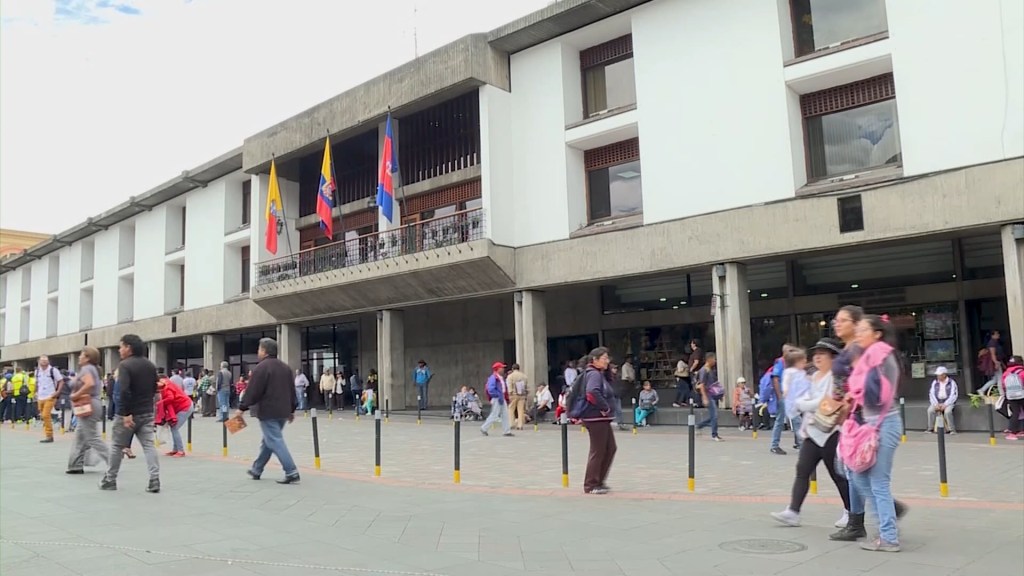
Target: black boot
x=853 y=531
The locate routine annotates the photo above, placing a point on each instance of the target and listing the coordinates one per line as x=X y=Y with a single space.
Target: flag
x=274 y=210
x=385 y=180
x=325 y=197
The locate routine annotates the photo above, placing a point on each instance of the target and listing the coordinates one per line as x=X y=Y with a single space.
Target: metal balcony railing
x=438 y=232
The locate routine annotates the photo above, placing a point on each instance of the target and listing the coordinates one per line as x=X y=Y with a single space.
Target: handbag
x=830 y=413
x=82 y=408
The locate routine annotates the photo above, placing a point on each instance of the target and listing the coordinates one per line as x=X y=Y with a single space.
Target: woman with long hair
x=87 y=448
x=871 y=434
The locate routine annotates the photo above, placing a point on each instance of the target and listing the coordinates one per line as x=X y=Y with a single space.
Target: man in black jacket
x=135 y=412
x=272 y=388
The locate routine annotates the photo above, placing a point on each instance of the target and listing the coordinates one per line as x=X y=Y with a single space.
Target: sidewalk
x=509 y=516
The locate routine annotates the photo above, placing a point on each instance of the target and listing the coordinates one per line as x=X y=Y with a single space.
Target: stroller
x=464 y=408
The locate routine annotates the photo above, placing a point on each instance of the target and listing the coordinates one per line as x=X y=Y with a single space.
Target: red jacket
x=172 y=401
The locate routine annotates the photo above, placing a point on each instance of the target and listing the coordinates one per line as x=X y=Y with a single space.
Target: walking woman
x=820 y=436
x=874 y=413
x=598 y=414
x=87 y=448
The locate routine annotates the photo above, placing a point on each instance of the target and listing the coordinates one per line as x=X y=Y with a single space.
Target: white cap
x=941 y=370
x=741 y=380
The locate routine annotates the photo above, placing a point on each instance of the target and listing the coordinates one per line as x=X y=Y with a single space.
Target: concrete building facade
x=636 y=174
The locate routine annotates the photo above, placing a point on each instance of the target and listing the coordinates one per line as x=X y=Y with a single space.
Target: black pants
x=602 y=453
x=1015 y=407
x=810 y=455
x=683 y=391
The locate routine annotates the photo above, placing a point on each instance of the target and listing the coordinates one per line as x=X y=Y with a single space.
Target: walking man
x=518 y=390
x=272 y=387
x=49 y=384
x=498 y=393
x=224 y=379
x=301 y=383
x=135 y=412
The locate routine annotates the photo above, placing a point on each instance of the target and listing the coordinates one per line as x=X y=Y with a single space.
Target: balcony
x=444 y=257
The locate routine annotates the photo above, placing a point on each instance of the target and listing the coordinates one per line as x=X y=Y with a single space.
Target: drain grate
x=762 y=546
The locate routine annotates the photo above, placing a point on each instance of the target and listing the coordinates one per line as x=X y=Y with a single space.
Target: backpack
x=1013 y=385
x=764 y=386
x=576 y=397
x=716 y=391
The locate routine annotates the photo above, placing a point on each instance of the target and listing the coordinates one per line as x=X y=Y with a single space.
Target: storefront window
x=767 y=281
x=658 y=293
x=894 y=266
x=185 y=355
x=982 y=257
x=767 y=335
x=241 y=350
x=656 y=350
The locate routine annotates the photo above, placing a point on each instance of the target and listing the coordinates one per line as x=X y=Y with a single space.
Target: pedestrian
x=597 y=412
x=87 y=447
x=710 y=390
x=497 y=393
x=173 y=409
x=518 y=390
x=355 y=385
x=224 y=387
x=135 y=412
x=422 y=377
x=49 y=385
x=189 y=385
x=272 y=387
x=301 y=383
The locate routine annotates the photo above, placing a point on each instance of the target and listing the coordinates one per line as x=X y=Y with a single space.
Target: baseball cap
x=941 y=370
x=497 y=365
x=741 y=380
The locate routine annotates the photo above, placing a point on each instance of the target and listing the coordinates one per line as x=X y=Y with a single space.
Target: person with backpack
x=518 y=390
x=711 y=391
x=589 y=400
x=6 y=398
x=497 y=393
x=1012 y=385
x=22 y=391
x=49 y=387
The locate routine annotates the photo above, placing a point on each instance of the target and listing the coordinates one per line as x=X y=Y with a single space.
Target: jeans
x=21 y=407
x=807 y=461
x=223 y=402
x=683 y=390
x=7 y=408
x=712 y=418
x=421 y=391
x=121 y=438
x=182 y=417
x=356 y=399
x=87 y=446
x=498 y=410
x=874 y=484
x=780 y=425
x=640 y=414
x=300 y=396
x=273 y=444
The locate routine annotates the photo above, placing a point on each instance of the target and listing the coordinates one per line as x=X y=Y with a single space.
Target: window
x=246 y=202
x=609 y=81
x=851 y=128
x=613 y=180
x=851 y=214
x=245 y=268
x=820 y=24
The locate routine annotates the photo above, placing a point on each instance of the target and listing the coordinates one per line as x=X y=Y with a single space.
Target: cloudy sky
x=104 y=99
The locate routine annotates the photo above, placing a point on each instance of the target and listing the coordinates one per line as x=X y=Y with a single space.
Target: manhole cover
x=762 y=546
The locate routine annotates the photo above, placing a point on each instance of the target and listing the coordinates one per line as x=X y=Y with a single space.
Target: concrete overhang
x=434 y=77
x=554 y=20
x=464 y=270
x=973 y=199
x=188 y=180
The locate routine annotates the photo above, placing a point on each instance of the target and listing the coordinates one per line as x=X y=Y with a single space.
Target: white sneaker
x=844 y=520
x=787 y=517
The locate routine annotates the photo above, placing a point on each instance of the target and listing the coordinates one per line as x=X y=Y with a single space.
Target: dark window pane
x=246 y=201
x=615 y=191
x=600 y=200
x=851 y=214
x=609 y=86
x=819 y=24
x=853 y=140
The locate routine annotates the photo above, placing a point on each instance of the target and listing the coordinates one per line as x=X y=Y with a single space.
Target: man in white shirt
x=570 y=373
x=177 y=380
x=301 y=383
x=49 y=383
x=189 y=385
x=941 y=399
x=628 y=373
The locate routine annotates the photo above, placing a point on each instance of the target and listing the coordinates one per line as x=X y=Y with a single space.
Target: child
x=646 y=404
x=560 y=409
x=743 y=404
x=473 y=402
x=795 y=384
x=369 y=401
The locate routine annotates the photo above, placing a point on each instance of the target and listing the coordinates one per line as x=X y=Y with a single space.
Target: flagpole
x=284 y=217
x=398 y=178
x=334 y=193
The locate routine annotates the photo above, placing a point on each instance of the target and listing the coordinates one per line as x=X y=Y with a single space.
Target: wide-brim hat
x=830 y=345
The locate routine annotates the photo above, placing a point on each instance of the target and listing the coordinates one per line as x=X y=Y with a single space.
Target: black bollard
x=316 y=440
x=419 y=412
x=224 y=439
x=991 y=425
x=633 y=404
x=565 y=451
x=62 y=428
x=903 y=420
x=457 y=472
x=103 y=422
x=376 y=465
x=188 y=446
x=330 y=406
x=387 y=409
x=814 y=480
x=943 y=485
x=691 y=423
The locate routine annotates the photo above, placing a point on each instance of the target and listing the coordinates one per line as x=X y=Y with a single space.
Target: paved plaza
x=509 y=515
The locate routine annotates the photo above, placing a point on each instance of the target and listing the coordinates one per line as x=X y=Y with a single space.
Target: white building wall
x=12 y=306
x=70 y=283
x=37 y=312
x=104 y=291
x=711 y=100
x=497 y=176
x=204 y=237
x=150 y=250
x=288 y=240
x=974 y=115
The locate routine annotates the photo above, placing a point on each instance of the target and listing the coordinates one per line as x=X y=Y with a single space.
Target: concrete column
x=111 y=358
x=396 y=215
x=158 y=354
x=394 y=377
x=73 y=361
x=1013 y=271
x=517 y=313
x=532 y=343
x=732 y=326
x=289 y=345
x=213 y=351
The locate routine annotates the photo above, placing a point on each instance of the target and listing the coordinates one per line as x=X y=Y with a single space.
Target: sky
x=104 y=99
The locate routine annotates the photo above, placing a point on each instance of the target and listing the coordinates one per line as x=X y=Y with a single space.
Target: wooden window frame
x=848 y=96
x=832 y=48
x=614 y=154
x=602 y=55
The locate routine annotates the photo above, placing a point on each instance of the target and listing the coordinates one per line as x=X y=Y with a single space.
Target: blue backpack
x=765 y=388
